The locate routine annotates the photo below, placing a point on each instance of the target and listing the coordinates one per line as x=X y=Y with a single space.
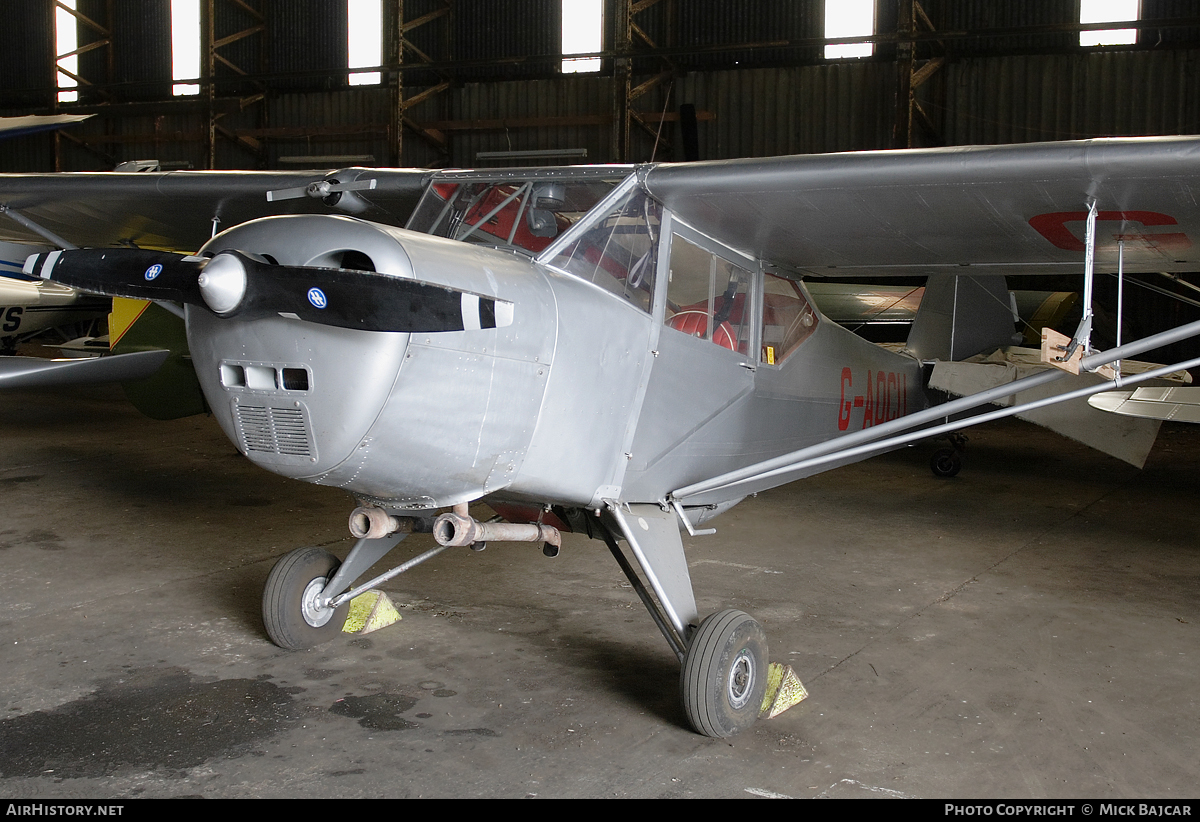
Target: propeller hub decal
x=317 y=297
x=153 y=271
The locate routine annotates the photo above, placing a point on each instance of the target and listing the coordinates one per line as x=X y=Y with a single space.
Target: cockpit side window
x=787 y=320
x=708 y=296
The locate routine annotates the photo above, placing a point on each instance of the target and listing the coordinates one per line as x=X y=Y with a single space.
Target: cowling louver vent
x=282 y=432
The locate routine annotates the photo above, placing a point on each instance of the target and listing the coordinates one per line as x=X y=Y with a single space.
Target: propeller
x=330 y=191
x=237 y=284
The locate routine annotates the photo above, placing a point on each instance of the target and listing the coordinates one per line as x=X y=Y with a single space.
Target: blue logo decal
x=317 y=297
x=153 y=271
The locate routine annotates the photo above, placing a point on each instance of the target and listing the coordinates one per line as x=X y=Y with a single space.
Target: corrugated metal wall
x=306 y=38
x=141 y=32
x=700 y=23
x=842 y=106
x=498 y=32
x=1020 y=99
x=513 y=102
x=26 y=54
x=778 y=98
x=355 y=121
x=1168 y=10
x=956 y=16
x=248 y=53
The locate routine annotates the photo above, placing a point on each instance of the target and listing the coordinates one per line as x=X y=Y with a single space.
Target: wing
x=33 y=123
x=1175 y=403
x=175 y=210
x=1017 y=209
x=35 y=372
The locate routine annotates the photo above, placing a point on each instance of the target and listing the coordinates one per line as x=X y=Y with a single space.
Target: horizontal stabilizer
x=1124 y=437
x=36 y=372
x=1175 y=403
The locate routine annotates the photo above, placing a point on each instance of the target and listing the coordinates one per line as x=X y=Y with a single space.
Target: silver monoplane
x=623 y=352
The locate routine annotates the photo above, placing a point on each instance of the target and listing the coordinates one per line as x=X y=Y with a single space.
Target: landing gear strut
x=724 y=660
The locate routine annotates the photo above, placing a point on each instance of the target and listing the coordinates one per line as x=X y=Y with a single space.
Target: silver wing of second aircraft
x=182 y=210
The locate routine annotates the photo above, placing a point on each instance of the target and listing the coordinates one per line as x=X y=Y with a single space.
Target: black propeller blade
x=234 y=284
x=138 y=273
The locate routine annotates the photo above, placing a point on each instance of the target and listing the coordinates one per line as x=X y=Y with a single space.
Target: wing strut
x=1083 y=333
x=45 y=233
x=773 y=472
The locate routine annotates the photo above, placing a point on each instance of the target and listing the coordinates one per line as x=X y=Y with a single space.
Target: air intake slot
x=260 y=377
x=295 y=379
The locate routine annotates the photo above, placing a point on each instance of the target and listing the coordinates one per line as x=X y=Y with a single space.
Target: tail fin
x=173 y=391
x=961 y=316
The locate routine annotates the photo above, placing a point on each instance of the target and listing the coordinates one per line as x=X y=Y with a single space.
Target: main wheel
x=292 y=613
x=725 y=674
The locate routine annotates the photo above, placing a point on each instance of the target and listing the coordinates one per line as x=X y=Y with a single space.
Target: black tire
x=725 y=674
x=284 y=615
x=946 y=462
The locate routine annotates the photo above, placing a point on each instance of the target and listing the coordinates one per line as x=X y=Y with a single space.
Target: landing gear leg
x=725 y=660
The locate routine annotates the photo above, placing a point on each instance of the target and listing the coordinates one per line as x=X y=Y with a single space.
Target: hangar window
x=364 y=40
x=66 y=33
x=185 y=46
x=849 y=18
x=582 y=33
x=1108 y=11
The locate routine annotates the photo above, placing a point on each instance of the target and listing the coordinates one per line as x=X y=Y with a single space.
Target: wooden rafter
x=404 y=105
x=257 y=27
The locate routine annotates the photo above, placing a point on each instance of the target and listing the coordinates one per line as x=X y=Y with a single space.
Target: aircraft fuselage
x=583 y=398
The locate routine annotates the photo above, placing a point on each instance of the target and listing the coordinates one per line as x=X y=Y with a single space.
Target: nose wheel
x=293 y=612
x=725 y=674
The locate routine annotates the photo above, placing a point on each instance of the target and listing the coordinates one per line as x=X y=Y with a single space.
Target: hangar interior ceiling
x=463 y=80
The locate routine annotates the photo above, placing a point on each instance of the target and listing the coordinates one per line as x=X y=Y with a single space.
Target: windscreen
x=620 y=251
x=525 y=214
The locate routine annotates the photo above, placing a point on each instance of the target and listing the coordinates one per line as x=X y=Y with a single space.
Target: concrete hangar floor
x=1030 y=628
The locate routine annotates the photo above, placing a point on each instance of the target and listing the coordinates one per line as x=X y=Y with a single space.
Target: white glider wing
x=1176 y=403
